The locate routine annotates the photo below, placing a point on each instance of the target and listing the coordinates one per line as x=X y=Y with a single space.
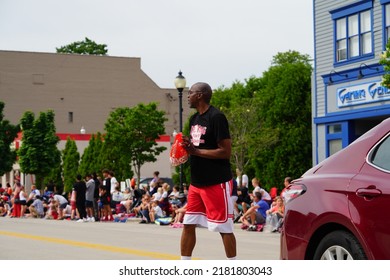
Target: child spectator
x=52 y=213
x=164 y=201
x=155 y=211
x=73 y=214
x=275 y=214
x=178 y=210
x=143 y=209
x=257 y=188
x=105 y=201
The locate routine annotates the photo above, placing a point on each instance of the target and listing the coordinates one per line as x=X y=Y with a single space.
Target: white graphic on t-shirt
x=196 y=133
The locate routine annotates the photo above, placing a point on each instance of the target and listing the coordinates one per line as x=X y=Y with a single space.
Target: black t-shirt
x=107 y=186
x=206 y=130
x=80 y=187
x=97 y=185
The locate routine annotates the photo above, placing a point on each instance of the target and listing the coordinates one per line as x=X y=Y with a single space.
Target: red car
x=340 y=208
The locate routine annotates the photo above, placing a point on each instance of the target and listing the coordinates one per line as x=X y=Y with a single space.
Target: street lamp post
x=180 y=84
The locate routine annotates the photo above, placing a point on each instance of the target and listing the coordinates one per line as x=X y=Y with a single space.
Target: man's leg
x=188 y=240
x=229 y=242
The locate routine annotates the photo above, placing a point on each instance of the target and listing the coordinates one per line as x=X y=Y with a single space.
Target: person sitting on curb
x=36 y=208
x=155 y=211
x=256 y=214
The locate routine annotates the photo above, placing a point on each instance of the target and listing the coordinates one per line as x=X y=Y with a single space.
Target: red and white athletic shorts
x=211 y=207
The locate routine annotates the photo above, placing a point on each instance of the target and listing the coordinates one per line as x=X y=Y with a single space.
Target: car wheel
x=339 y=245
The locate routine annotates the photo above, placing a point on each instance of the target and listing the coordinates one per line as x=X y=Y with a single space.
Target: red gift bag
x=178 y=154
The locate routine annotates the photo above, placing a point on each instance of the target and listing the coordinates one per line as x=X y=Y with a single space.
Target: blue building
x=348 y=98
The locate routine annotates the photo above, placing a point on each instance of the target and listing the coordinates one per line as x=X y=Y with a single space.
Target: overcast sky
x=215 y=41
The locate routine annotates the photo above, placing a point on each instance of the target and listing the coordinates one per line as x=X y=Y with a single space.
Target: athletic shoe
x=252 y=228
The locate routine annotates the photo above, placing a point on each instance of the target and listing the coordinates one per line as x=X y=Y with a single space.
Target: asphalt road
x=40 y=239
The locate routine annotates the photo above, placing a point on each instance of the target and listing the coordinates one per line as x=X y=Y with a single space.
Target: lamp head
x=180 y=82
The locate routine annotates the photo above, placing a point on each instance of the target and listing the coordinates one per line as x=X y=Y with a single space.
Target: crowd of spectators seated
x=156 y=202
x=149 y=203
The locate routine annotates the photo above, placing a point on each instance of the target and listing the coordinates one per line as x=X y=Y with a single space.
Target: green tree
x=8 y=133
x=285 y=111
x=55 y=174
x=90 y=160
x=37 y=154
x=385 y=61
x=84 y=47
x=270 y=119
x=240 y=107
x=70 y=163
x=131 y=136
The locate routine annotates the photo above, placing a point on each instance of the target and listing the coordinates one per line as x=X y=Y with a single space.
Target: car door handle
x=369 y=192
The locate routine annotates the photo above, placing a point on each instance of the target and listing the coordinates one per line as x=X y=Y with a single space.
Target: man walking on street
x=209 y=146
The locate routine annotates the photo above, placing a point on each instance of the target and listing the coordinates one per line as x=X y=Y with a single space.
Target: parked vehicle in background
x=339 y=209
x=146 y=181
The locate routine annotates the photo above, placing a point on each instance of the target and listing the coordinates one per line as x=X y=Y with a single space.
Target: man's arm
x=223 y=151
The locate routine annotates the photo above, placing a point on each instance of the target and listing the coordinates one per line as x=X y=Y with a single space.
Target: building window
x=387 y=22
x=335 y=145
x=334 y=128
x=338 y=136
x=354 y=36
x=38 y=79
x=70 y=117
x=353 y=31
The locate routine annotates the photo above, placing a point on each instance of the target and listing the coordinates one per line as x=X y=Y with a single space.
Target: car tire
x=339 y=245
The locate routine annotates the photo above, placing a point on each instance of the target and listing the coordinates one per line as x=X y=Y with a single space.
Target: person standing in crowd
x=80 y=189
x=107 y=181
x=114 y=182
x=208 y=201
x=73 y=207
x=16 y=207
x=107 y=185
x=97 y=181
x=242 y=179
x=23 y=201
x=257 y=188
x=89 y=197
x=154 y=181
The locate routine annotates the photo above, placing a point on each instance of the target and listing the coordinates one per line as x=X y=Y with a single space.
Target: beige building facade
x=83 y=90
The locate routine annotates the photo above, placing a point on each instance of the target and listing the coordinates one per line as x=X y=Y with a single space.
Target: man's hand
x=188 y=146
